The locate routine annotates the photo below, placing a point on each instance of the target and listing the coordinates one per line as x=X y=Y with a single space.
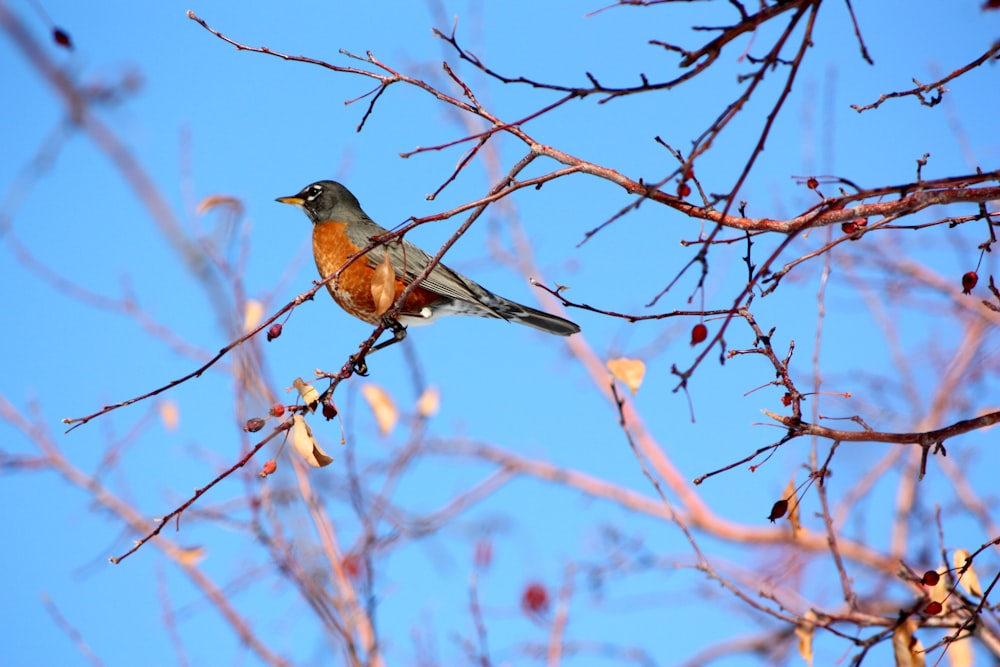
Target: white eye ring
x=314 y=191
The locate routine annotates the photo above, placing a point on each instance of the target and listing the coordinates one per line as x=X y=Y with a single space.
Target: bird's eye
x=313 y=192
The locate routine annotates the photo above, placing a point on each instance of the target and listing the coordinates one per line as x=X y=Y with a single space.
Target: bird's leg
x=398 y=334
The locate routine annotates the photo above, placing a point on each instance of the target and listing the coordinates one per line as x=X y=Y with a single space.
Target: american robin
x=342 y=229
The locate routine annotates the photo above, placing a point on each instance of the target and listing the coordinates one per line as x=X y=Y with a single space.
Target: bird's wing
x=409 y=261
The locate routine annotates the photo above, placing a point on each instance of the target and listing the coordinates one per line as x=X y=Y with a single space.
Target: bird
x=342 y=229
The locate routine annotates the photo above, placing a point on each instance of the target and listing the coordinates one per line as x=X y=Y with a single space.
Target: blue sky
x=207 y=119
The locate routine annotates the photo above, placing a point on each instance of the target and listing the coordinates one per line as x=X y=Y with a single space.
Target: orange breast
x=352 y=289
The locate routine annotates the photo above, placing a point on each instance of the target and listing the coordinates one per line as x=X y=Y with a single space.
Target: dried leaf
x=908 y=650
x=310 y=397
x=170 y=414
x=629 y=371
x=804 y=630
x=305 y=444
x=383 y=286
x=959 y=652
x=382 y=407
x=191 y=556
x=969 y=579
x=793 y=507
x=429 y=402
x=212 y=201
x=253 y=311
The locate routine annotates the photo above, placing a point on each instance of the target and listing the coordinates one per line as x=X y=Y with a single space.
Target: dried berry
x=683 y=190
x=274 y=331
x=329 y=410
x=254 y=425
x=61 y=37
x=812 y=183
x=778 y=510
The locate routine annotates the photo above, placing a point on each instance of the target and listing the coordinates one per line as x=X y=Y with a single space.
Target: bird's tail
x=521 y=314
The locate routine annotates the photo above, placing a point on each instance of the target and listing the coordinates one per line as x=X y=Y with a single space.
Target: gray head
x=326 y=200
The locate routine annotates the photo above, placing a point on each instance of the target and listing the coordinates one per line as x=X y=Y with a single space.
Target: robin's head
x=326 y=200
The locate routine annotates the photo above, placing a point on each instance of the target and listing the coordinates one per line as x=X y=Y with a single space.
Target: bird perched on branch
x=369 y=285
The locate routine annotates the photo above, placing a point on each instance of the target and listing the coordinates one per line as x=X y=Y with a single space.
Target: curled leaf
x=429 y=402
x=191 y=556
x=969 y=579
x=906 y=648
x=805 y=630
x=383 y=286
x=305 y=444
x=382 y=407
x=170 y=414
x=308 y=393
x=253 y=311
x=212 y=201
x=793 y=511
x=629 y=371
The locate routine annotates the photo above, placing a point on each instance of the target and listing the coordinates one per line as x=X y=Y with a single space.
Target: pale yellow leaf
x=429 y=402
x=959 y=653
x=906 y=648
x=170 y=414
x=969 y=580
x=381 y=406
x=310 y=397
x=191 y=556
x=212 y=201
x=805 y=630
x=793 y=507
x=305 y=444
x=253 y=311
x=629 y=371
x=383 y=286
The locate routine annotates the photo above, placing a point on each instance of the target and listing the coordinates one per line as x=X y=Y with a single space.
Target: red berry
x=329 y=410
x=786 y=400
x=269 y=467
x=969 y=281
x=683 y=190
x=812 y=183
x=277 y=410
x=848 y=227
x=535 y=599
x=933 y=608
x=254 y=425
x=931 y=578
x=274 y=331
x=353 y=566
x=699 y=333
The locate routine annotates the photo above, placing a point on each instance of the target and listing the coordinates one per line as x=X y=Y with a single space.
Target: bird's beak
x=294 y=201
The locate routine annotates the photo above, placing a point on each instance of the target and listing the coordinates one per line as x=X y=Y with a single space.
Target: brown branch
x=176 y=513
x=938 y=86
x=924 y=439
